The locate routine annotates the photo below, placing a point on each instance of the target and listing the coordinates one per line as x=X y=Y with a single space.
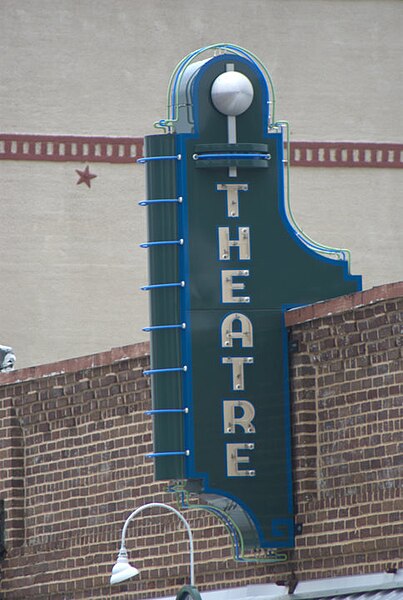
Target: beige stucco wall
x=71 y=267
x=358 y=209
x=96 y=66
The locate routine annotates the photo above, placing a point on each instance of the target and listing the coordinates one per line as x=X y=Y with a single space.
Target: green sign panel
x=225 y=264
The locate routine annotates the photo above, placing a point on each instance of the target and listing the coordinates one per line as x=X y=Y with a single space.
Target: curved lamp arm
x=178 y=514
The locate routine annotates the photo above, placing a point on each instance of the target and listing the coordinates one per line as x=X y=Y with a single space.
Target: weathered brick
x=73 y=447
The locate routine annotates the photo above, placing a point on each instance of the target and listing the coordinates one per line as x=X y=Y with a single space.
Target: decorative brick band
x=343 y=303
x=346 y=154
x=71 y=365
x=65 y=148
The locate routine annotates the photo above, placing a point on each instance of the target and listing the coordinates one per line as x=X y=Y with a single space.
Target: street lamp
x=124 y=570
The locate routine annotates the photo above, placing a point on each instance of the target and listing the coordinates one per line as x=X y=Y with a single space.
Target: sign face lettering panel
x=240 y=419
x=243 y=266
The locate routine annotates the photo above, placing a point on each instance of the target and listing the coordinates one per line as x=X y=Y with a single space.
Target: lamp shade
x=122 y=570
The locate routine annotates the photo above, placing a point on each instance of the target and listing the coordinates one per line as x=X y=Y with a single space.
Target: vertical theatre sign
x=224 y=265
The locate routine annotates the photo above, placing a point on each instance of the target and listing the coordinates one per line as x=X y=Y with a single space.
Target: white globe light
x=232 y=93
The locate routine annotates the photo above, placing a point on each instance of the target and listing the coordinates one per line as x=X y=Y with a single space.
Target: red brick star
x=85 y=176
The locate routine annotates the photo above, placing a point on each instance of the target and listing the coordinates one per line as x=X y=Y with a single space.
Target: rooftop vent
x=7 y=359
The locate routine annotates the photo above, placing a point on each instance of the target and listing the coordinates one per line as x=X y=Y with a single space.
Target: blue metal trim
x=162 y=243
x=146 y=159
x=154 y=454
x=156 y=327
x=287 y=414
x=154 y=286
x=239 y=52
x=241 y=155
x=162 y=200
x=168 y=370
x=186 y=343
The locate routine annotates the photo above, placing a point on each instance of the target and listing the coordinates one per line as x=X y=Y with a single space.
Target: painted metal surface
x=396 y=594
x=242 y=266
x=346 y=154
x=165 y=290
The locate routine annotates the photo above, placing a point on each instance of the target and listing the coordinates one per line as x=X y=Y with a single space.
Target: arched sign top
x=228 y=88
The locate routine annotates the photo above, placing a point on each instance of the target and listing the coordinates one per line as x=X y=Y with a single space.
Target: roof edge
x=71 y=365
x=388 y=291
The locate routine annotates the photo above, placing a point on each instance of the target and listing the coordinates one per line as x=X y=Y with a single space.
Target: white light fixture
x=232 y=93
x=123 y=570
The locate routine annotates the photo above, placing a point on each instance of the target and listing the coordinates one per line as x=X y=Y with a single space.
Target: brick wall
x=73 y=437
x=346 y=381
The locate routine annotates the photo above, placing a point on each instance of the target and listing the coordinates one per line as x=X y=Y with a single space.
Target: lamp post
x=124 y=570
